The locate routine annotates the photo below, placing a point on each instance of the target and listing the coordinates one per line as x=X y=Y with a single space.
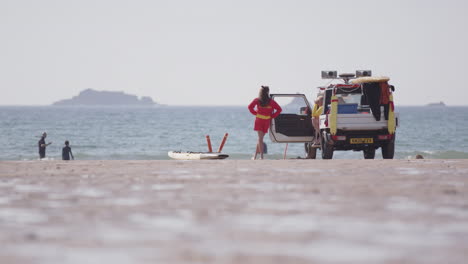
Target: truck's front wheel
x=388 y=150
x=327 y=149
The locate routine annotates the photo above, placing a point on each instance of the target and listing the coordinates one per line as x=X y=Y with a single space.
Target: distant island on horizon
x=94 y=97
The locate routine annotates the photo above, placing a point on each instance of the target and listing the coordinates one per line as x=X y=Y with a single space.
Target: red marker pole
x=208 y=141
x=222 y=143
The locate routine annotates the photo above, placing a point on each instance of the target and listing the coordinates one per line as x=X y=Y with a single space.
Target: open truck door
x=294 y=124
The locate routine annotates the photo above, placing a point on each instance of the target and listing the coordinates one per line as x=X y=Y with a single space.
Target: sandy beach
x=234 y=211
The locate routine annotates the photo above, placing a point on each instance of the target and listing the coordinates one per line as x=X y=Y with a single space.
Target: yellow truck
x=358 y=114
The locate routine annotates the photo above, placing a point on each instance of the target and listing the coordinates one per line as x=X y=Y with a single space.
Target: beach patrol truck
x=358 y=114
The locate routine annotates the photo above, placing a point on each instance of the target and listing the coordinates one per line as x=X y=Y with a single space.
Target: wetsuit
x=42 y=148
x=263 y=114
x=66 y=151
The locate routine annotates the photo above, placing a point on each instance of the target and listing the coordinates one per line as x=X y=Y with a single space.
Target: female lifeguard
x=264 y=108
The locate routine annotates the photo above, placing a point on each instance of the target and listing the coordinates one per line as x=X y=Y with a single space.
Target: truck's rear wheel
x=311 y=153
x=388 y=150
x=327 y=149
x=369 y=153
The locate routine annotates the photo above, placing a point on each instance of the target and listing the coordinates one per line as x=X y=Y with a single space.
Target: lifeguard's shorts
x=262 y=125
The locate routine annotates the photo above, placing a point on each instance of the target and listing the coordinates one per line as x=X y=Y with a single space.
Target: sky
x=219 y=52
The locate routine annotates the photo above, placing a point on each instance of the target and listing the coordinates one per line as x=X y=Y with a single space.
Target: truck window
x=349 y=98
x=292 y=105
x=326 y=105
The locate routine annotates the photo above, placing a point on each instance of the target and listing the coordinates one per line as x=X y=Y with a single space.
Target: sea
x=148 y=133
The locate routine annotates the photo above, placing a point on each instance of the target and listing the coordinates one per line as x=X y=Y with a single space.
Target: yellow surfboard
x=333 y=114
x=362 y=80
x=391 y=116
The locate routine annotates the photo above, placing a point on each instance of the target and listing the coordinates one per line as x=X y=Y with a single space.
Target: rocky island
x=93 y=97
x=440 y=104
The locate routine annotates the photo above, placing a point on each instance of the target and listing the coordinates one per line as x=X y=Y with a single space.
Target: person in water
x=42 y=145
x=263 y=108
x=316 y=112
x=66 y=152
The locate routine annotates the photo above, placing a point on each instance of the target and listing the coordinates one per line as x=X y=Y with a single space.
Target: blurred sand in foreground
x=234 y=211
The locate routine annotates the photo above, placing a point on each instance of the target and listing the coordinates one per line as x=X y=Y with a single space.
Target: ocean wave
x=86 y=146
x=427 y=154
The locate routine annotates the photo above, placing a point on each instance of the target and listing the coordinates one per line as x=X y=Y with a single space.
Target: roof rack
x=346 y=76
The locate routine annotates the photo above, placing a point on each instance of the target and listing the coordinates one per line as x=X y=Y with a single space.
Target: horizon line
x=168 y=105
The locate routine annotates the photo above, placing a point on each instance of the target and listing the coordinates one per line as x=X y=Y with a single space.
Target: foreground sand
x=286 y=211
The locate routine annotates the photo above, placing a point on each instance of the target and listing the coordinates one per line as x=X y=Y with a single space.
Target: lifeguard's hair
x=264 y=96
x=319 y=99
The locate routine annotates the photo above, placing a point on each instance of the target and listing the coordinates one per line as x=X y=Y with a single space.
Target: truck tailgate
x=358 y=122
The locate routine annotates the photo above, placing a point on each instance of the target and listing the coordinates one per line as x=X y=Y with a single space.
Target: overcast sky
x=218 y=52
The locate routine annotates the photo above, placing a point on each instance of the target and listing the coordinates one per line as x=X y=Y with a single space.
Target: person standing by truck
x=263 y=108
x=316 y=112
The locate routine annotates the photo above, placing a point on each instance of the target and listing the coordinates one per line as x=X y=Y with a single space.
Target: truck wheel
x=311 y=153
x=369 y=153
x=388 y=150
x=327 y=149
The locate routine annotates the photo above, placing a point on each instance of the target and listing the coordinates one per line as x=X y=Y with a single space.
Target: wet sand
x=234 y=211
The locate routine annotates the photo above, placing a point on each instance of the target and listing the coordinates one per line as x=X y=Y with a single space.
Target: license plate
x=361 y=140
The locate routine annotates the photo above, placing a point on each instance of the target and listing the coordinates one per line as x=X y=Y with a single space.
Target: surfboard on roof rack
x=362 y=80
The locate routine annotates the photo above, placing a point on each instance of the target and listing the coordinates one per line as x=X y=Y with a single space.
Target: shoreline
x=234 y=211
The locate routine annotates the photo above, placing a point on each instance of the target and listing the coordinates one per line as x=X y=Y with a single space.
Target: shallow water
x=140 y=133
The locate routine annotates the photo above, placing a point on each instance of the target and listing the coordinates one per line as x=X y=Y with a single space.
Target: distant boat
x=439 y=104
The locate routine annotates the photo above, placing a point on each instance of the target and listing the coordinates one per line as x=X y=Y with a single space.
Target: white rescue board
x=181 y=155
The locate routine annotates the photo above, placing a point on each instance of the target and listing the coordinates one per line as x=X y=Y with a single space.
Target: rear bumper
x=359 y=140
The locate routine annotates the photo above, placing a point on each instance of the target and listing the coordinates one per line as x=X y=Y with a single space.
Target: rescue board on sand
x=370 y=80
x=181 y=155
